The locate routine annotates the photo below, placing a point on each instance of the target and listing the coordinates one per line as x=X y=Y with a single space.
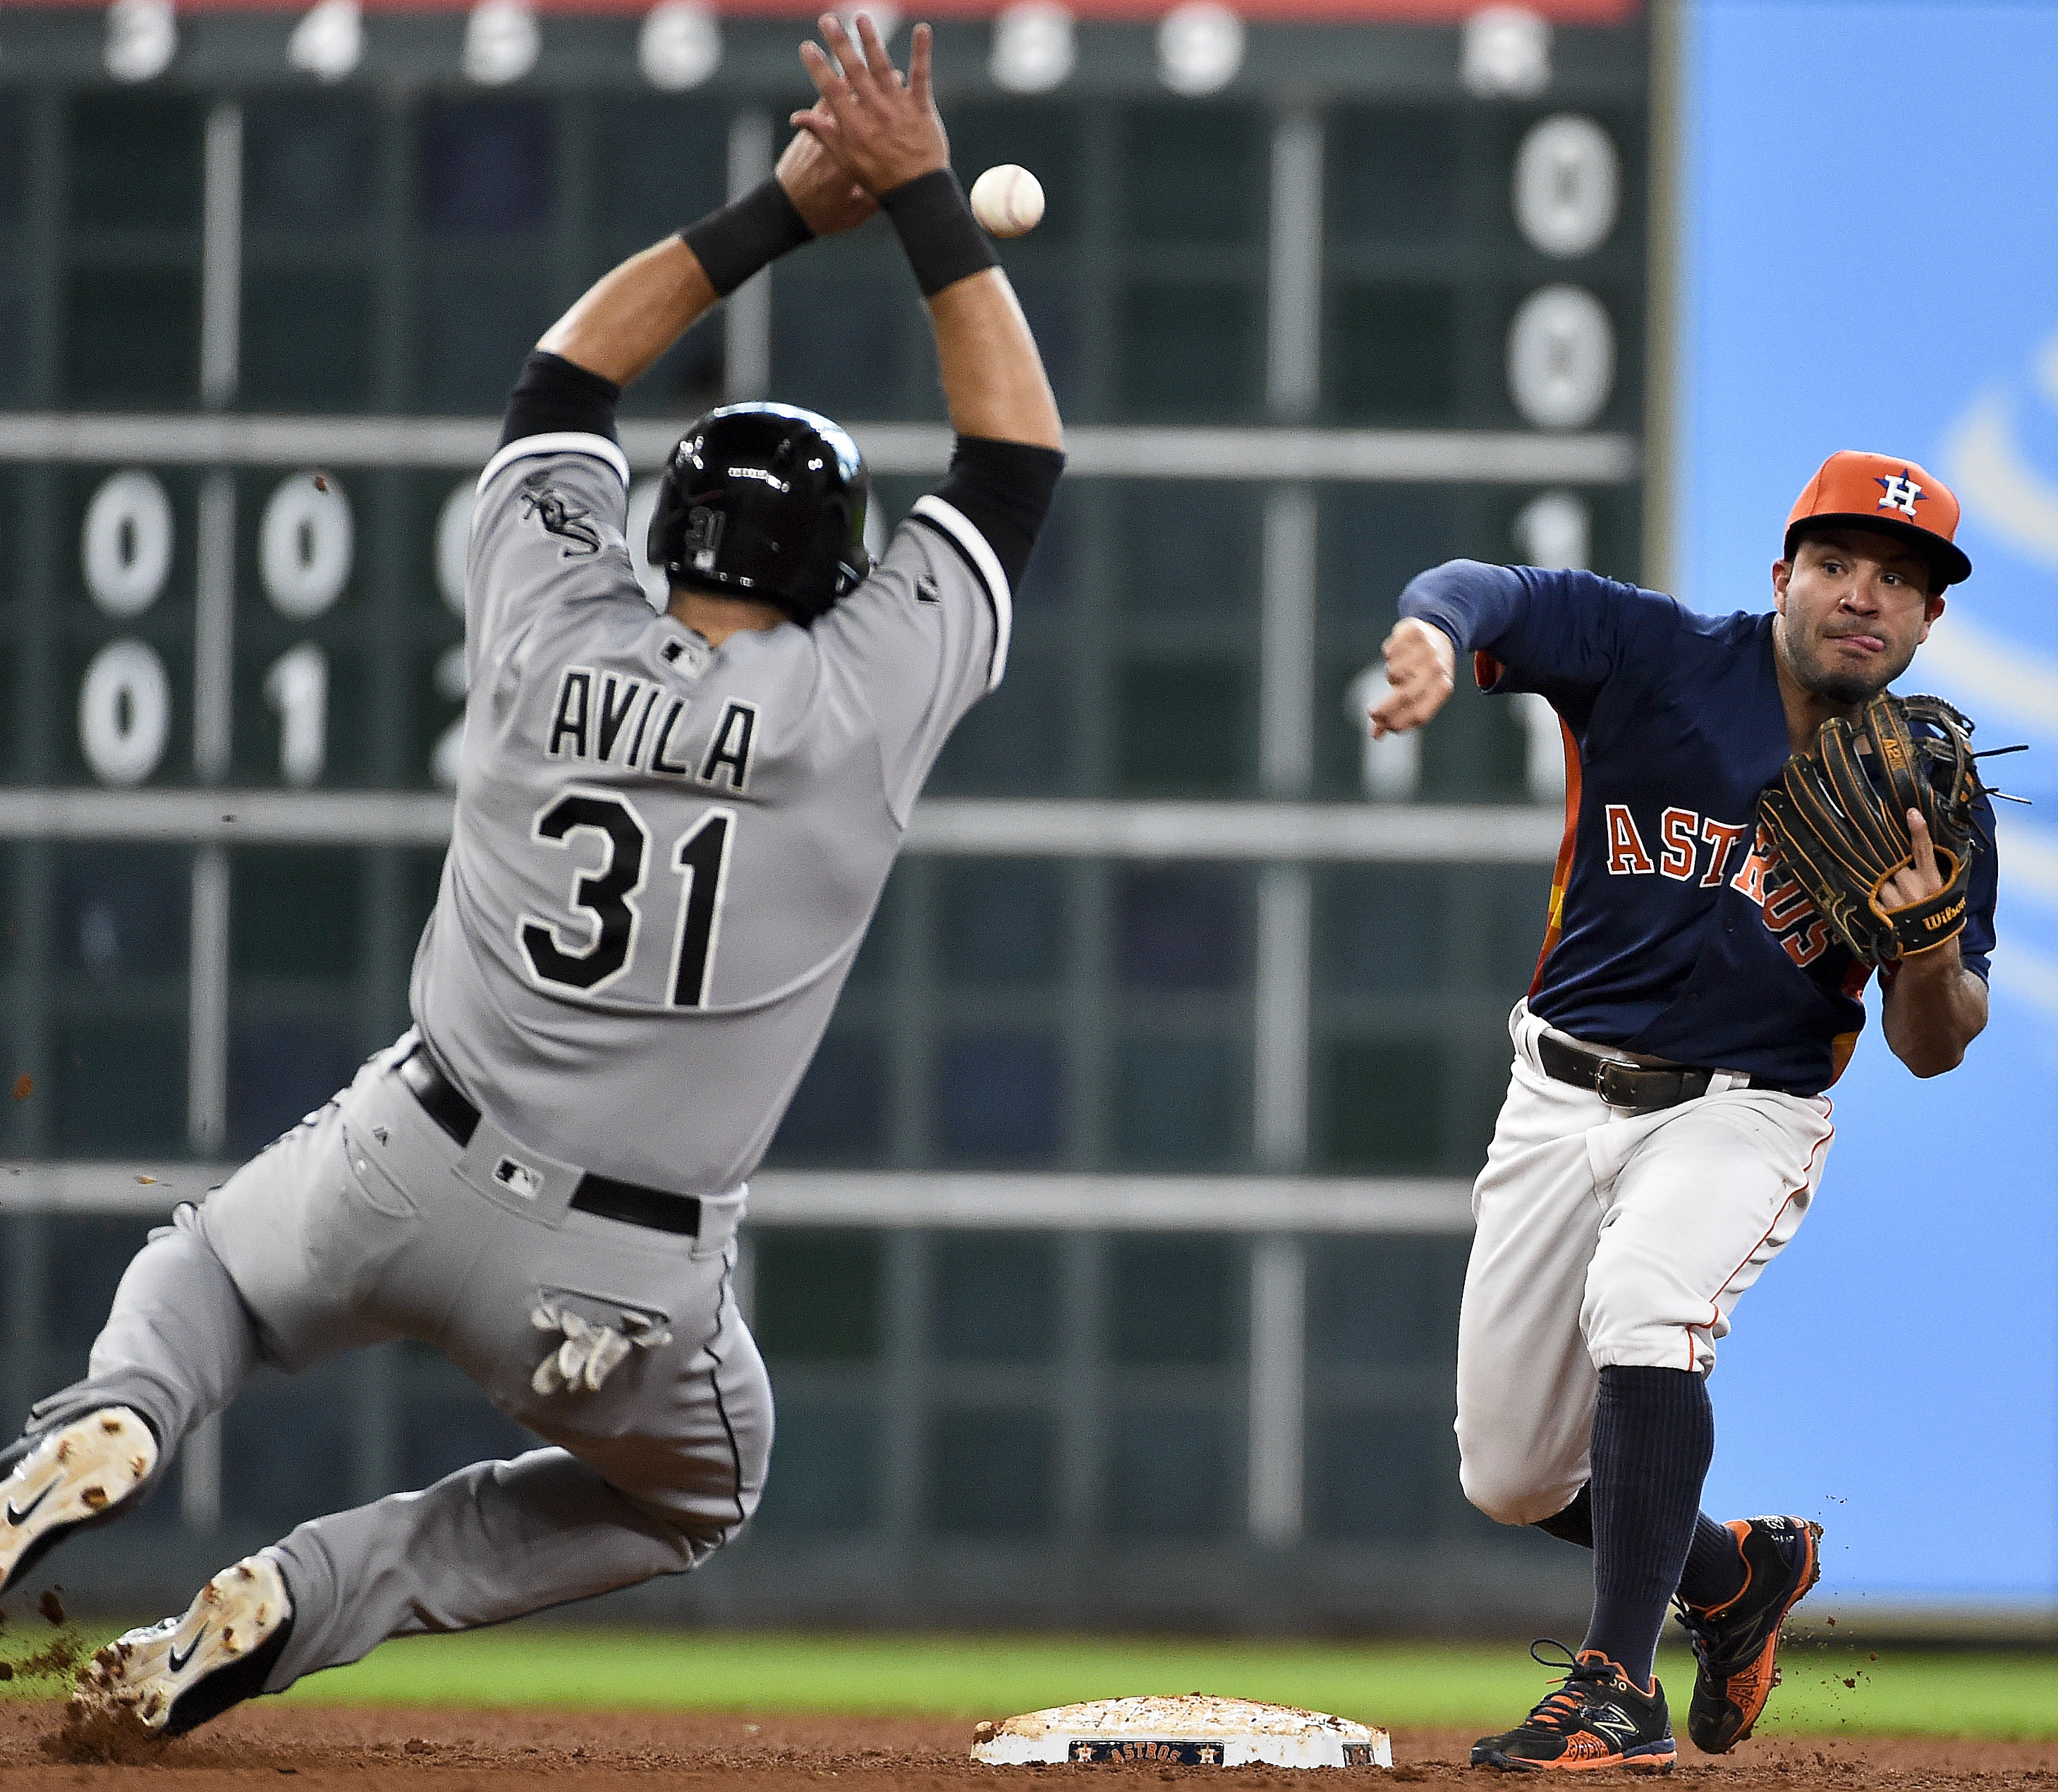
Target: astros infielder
x=671 y=832
x=1666 y=1122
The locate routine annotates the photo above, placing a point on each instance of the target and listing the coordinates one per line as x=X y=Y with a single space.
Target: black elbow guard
x=1003 y=489
x=557 y=397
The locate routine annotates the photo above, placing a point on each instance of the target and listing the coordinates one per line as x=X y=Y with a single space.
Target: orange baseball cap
x=1896 y=496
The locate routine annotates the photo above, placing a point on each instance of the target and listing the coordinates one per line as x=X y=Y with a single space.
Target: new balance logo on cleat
x=1612 y=1722
x=1598 y=1717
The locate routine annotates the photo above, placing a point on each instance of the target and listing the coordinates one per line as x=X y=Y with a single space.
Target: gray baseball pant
x=366 y=1222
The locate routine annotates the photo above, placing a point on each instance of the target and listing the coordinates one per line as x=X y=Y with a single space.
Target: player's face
x=1855 y=605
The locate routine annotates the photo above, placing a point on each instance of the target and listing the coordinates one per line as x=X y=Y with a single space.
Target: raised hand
x=883 y=129
x=821 y=189
x=1419 y=660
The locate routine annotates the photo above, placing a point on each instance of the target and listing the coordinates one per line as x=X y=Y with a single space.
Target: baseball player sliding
x=671 y=832
x=1699 y=989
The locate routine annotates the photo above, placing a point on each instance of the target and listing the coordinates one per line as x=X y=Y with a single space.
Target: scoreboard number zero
x=1567 y=193
x=306 y=544
x=306 y=549
x=125 y=699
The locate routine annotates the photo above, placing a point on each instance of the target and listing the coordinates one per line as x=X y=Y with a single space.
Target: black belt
x=1617 y=1081
x=630 y=1203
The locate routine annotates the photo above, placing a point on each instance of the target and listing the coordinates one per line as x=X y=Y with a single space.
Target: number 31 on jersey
x=607 y=897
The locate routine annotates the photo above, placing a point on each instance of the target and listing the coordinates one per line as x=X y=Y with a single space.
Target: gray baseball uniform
x=664 y=861
x=665 y=857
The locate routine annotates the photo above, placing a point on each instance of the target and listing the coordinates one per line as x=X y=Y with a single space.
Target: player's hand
x=1922 y=879
x=820 y=188
x=885 y=130
x=1419 y=661
x=1939 y=965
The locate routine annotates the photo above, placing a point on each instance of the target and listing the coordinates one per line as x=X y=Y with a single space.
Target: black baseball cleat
x=73 y=1476
x=1598 y=1717
x=1736 y=1643
x=176 y=1675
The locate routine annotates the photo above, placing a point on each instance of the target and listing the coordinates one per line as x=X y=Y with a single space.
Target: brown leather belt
x=630 y=1203
x=1619 y=1082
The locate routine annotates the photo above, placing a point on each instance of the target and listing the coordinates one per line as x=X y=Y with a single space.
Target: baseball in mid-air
x=1008 y=200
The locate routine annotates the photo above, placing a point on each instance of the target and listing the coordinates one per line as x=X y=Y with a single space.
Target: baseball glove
x=1839 y=818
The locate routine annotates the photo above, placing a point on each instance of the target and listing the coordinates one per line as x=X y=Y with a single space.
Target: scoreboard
x=1329 y=291
x=218 y=628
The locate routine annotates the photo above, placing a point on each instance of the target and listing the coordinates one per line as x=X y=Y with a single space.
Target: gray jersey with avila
x=665 y=856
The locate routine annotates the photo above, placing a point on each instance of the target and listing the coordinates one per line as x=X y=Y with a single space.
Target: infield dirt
x=367 y=1750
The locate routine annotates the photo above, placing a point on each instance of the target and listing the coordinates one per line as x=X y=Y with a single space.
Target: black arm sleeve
x=1003 y=489
x=555 y=397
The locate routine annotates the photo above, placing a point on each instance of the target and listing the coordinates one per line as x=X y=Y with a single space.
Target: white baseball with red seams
x=1007 y=200
x=1607 y=1236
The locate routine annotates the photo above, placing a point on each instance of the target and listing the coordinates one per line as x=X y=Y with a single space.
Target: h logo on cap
x=1902 y=493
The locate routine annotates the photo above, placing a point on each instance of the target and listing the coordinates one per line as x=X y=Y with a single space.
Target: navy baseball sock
x=1714 y=1565
x=1575 y=1522
x=1714 y=1573
x=1653 y=1438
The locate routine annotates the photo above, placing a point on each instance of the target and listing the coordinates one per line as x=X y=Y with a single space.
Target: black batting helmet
x=764 y=501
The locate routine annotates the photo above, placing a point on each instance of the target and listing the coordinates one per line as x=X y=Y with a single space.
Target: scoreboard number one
x=306 y=542
x=296 y=687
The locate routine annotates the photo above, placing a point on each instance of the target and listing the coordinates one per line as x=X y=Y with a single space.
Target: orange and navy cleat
x=1737 y=1642
x=1598 y=1717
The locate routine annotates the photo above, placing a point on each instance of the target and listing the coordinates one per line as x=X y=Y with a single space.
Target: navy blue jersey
x=1670 y=931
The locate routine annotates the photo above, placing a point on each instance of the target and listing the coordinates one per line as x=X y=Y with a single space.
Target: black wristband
x=942 y=239
x=732 y=244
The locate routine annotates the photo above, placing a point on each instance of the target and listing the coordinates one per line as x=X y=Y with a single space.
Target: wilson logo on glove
x=1838 y=817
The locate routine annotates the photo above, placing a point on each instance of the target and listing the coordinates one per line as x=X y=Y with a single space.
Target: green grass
x=1400 y=1685
x=1409 y=1685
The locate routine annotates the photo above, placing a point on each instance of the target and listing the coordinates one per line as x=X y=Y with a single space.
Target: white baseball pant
x=1609 y=1235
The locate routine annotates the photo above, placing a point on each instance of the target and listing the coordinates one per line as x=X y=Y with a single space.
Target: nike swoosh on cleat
x=177 y=1661
x=23 y=1515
